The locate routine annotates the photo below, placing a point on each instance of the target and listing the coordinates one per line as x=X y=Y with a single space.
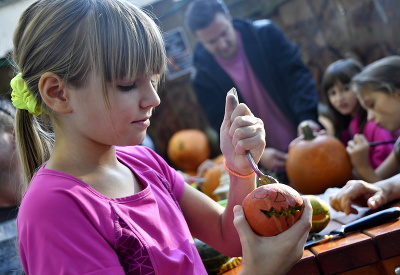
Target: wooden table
x=372 y=251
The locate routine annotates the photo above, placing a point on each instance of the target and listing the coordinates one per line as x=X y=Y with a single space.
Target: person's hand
x=315 y=127
x=301 y=137
x=273 y=159
x=272 y=255
x=240 y=131
x=358 y=192
x=358 y=151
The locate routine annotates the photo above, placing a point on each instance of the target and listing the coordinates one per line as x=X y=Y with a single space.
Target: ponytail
x=34 y=144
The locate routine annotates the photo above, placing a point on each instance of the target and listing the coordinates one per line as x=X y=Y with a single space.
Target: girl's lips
x=145 y=122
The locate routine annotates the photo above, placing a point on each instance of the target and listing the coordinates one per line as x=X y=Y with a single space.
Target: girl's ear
x=54 y=93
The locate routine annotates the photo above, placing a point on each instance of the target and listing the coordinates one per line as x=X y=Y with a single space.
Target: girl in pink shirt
x=350 y=119
x=378 y=89
x=96 y=202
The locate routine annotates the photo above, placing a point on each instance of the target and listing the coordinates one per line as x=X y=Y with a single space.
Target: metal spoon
x=264 y=179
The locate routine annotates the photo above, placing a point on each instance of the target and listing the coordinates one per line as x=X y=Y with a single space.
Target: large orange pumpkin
x=316 y=163
x=188 y=148
x=273 y=208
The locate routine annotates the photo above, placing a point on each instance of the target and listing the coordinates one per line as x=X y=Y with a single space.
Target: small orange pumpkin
x=273 y=208
x=188 y=148
x=219 y=159
x=211 y=181
x=316 y=163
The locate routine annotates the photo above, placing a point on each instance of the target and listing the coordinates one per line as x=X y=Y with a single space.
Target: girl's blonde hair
x=382 y=75
x=72 y=38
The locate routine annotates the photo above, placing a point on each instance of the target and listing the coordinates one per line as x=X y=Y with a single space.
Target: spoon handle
x=264 y=179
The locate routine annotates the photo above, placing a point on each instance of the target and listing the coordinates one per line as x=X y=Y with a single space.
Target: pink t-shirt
x=279 y=131
x=67 y=227
x=372 y=132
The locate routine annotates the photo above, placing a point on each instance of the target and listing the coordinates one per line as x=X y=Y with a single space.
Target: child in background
x=350 y=119
x=10 y=184
x=96 y=203
x=378 y=90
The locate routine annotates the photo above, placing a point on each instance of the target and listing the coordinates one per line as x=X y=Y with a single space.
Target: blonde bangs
x=130 y=47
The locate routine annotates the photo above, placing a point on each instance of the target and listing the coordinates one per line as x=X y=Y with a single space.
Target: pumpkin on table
x=316 y=163
x=187 y=149
x=211 y=182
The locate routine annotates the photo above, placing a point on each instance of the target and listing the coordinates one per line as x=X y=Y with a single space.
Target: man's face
x=219 y=38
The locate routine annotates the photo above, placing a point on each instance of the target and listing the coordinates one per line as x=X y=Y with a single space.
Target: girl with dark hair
x=350 y=118
x=378 y=90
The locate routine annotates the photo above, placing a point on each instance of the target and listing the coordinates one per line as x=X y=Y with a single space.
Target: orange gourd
x=316 y=163
x=273 y=208
x=219 y=159
x=211 y=181
x=188 y=148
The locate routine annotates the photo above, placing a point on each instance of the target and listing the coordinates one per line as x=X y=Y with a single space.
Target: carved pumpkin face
x=271 y=209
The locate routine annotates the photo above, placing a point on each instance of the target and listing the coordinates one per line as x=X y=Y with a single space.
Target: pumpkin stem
x=307 y=132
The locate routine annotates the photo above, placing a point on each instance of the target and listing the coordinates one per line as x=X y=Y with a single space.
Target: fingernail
x=233 y=91
x=373 y=203
x=237 y=209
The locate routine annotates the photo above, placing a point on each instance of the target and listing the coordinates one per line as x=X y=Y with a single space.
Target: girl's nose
x=151 y=98
x=222 y=44
x=370 y=116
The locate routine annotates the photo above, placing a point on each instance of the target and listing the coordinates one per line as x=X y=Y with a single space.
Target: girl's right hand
x=358 y=150
x=240 y=131
x=358 y=192
x=272 y=255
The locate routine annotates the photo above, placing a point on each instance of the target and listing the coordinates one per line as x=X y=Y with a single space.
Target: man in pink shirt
x=266 y=69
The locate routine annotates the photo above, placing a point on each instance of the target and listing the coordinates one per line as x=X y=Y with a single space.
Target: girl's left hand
x=240 y=131
x=360 y=193
x=279 y=253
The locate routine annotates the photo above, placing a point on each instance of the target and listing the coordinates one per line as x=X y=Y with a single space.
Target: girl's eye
x=331 y=93
x=127 y=88
x=369 y=105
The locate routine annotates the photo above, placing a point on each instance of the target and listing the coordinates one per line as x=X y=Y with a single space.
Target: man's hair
x=200 y=13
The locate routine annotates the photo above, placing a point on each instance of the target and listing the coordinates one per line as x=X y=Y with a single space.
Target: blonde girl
x=96 y=203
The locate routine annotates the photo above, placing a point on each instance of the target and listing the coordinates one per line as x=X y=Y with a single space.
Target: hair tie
x=236 y=174
x=21 y=97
